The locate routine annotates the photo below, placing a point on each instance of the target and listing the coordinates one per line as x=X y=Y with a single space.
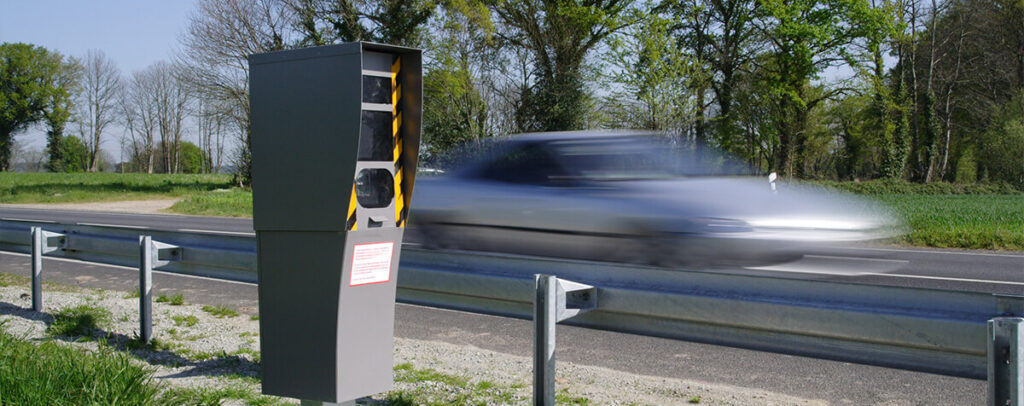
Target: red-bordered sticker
x=371 y=263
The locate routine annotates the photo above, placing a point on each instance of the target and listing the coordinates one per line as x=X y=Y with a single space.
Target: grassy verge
x=945 y=215
x=961 y=221
x=92 y=187
x=55 y=374
x=235 y=202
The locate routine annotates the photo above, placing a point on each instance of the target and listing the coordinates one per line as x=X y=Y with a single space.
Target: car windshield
x=639 y=157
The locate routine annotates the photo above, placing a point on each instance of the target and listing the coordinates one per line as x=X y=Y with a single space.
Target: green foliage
x=220 y=311
x=74 y=156
x=192 y=158
x=52 y=374
x=1002 y=146
x=398 y=22
x=454 y=107
x=83 y=320
x=454 y=110
x=84 y=187
x=29 y=87
x=652 y=72
x=806 y=37
x=558 y=35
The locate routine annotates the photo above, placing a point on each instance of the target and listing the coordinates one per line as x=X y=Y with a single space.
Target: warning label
x=371 y=263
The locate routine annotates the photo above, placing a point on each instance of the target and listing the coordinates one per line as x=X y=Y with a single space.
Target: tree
x=1002 y=146
x=59 y=112
x=721 y=36
x=139 y=111
x=192 y=158
x=28 y=85
x=75 y=155
x=454 y=105
x=97 y=101
x=558 y=35
x=171 y=98
x=651 y=72
x=806 y=37
x=398 y=22
x=220 y=36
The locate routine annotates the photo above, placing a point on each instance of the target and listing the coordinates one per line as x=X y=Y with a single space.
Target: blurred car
x=629 y=197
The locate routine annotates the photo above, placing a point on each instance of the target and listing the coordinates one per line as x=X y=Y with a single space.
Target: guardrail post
x=145 y=288
x=555 y=300
x=41 y=245
x=151 y=253
x=1006 y=361
x=37 y=269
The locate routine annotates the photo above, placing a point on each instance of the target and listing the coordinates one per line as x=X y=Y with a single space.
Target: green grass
x=51 y=373
x=220 y=311
x=187 y=321
x=176 y=300
x=8 y=279
x=994 y=222
x=891 y=187
x=215 y=397
x=236 y=202
x=436 y=388
x=83 y=320
x=92 y=187
x=54 y=374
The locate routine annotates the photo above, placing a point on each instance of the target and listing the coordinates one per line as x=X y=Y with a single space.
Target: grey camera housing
x=327 y=255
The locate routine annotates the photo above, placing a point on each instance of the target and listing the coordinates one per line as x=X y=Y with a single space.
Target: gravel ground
x=128 y=206
x=220 y=352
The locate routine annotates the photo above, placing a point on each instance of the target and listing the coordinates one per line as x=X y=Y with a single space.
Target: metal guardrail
x=927 y=330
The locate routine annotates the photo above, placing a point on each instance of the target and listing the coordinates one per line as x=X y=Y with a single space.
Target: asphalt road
x=960 y=270
x=838 y=383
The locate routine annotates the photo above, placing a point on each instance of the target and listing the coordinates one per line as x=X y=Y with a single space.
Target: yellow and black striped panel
x=351 y=223
x=396 y=111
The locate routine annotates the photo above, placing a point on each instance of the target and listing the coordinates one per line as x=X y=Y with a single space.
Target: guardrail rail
x=964 y=334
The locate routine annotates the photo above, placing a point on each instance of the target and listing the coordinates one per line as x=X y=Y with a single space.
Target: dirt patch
x=129 y=206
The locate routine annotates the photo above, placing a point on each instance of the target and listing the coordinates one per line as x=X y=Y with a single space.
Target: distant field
x=97 y=187
x=961 y=221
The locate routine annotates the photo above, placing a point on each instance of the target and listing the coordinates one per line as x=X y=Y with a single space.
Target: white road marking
x=832 y=265
x=78 y=261
x=113 y=225
x=980 y=254
x=28 y=220
x=942 y=278
x=189 y=230
x=857 y=258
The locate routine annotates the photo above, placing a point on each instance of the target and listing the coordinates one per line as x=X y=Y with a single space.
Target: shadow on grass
x=153 y=353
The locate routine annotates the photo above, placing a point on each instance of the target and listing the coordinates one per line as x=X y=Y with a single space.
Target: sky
x=133 y=33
